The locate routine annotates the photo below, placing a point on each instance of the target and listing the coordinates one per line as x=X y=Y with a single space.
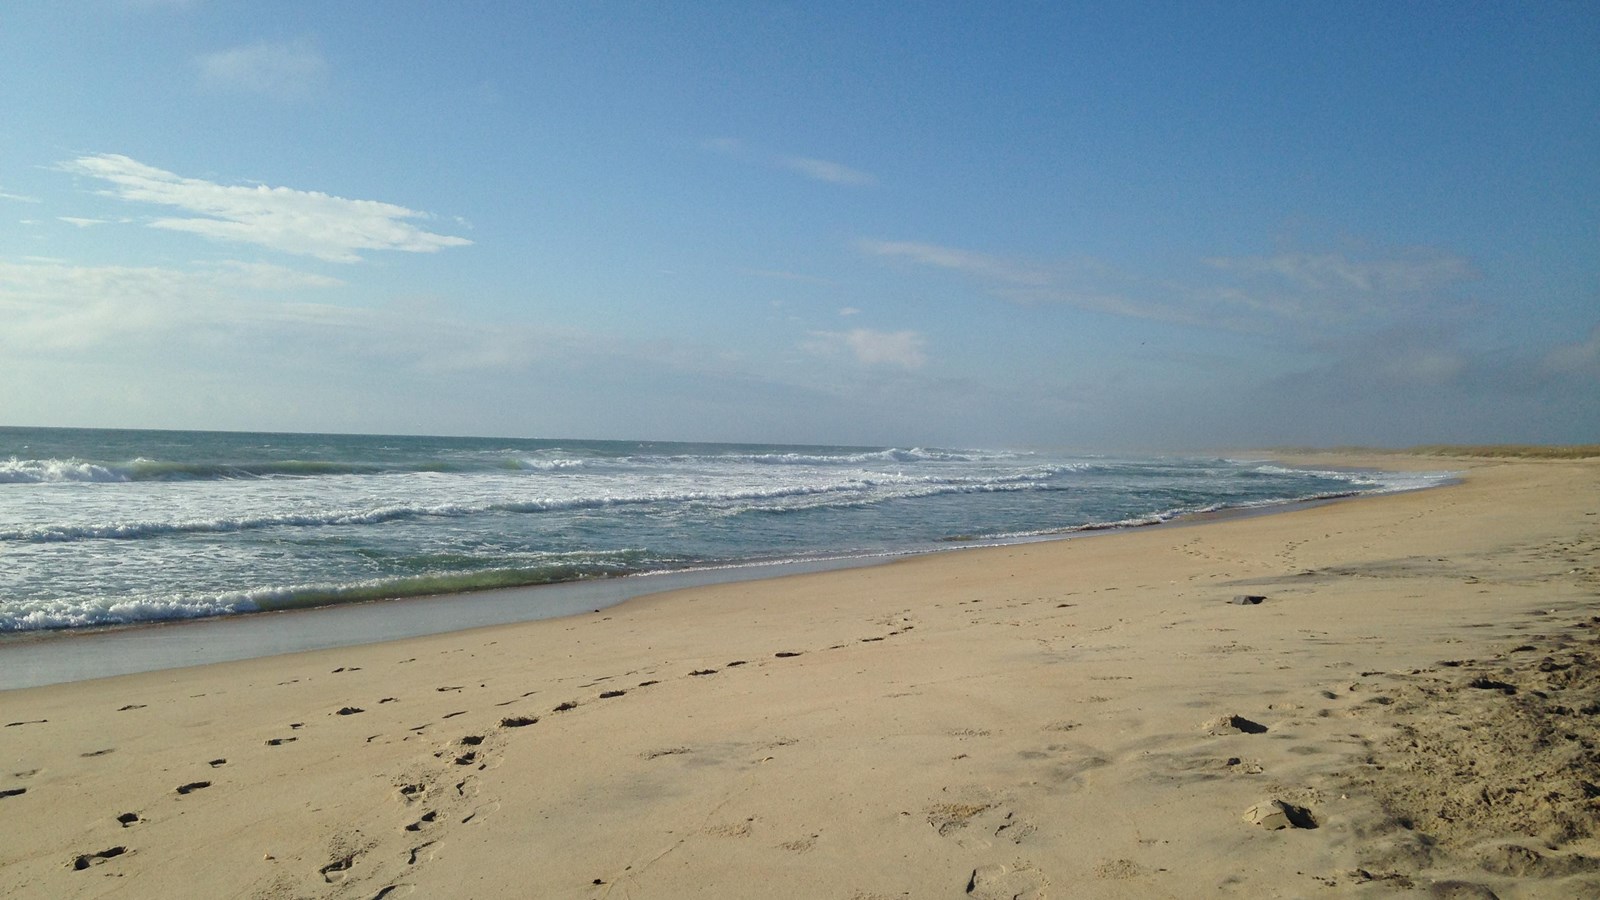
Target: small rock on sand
x=1234 y=724
x=1275 y=814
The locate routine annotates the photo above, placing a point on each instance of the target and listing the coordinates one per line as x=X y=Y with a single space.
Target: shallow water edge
x=34 y=659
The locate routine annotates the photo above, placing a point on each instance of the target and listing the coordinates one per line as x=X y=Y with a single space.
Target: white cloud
x=1412 y=272
x=82 y=223
x=264 y=276
x=980 y=264
x=308 y=223
x=824 y=170
x=249 y=314
x=849 y=311
x=45 y=305
x=286 y=71
x=816 y=169
x=1247 y=294
x=790 y=276
x=20 y=198
x=1580 y=358
x=872 y=348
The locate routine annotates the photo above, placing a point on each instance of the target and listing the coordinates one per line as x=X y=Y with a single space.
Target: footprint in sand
x=1118 y=870
x=412 y=860
x=127 y=819
x=84 y=861
x=13 y=792
x=334 y=872
x=947 y=818
x=1018 y=881
x=193 y=786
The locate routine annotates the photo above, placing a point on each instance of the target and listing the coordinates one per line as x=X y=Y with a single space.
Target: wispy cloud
x=306 y=223
x=1410 y=272
x=823 y=170
x=59 y=305
x=980 y=264
x=1580 y=358
x=242 y=310
x=1248 y=294
x=790 y=276
x=282 y=70
x=903 y=349
x=19 y=198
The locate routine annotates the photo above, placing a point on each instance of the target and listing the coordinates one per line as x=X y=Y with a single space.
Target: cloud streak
x=901 y=349
x=304 y=223
x=1293 y=291
x=824 y=170
x=284 y=71
x=980 y=264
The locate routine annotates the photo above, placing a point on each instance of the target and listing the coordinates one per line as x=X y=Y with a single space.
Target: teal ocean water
x=103 y=527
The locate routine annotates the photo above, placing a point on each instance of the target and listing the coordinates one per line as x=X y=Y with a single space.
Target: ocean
x=110 y=527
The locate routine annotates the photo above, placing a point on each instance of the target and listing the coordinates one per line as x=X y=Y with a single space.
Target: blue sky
x=1083 y=225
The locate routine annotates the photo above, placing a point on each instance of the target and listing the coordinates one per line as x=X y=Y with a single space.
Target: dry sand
x=1082 y=718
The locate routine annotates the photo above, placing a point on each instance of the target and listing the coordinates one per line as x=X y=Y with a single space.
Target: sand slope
x=1085 y=718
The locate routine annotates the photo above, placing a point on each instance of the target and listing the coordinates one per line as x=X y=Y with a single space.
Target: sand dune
x=1411 y=706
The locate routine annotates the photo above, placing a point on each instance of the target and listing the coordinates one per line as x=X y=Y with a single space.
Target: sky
x=1088 y=226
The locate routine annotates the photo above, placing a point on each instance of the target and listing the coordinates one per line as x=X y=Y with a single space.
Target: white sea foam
x=853 y=491
x=42 y=614
x=204 y=524
x=55 y=471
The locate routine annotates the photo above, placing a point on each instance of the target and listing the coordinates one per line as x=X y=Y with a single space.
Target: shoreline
x=1057 y=718
x=58 y=656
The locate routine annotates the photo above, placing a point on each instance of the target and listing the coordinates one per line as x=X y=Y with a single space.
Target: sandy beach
x=1385 y=696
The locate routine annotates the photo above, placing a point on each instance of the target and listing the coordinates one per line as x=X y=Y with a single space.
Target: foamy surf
x=117 y=527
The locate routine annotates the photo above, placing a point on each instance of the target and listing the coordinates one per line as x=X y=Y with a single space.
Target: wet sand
x=1412 y=704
